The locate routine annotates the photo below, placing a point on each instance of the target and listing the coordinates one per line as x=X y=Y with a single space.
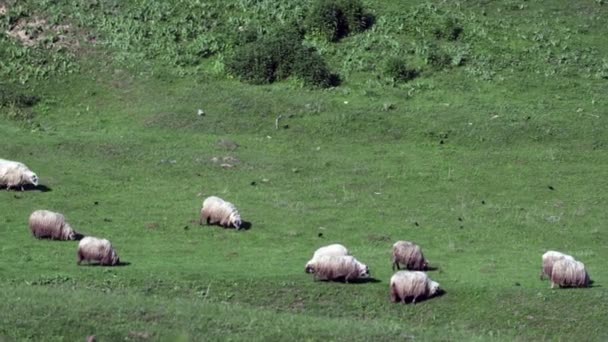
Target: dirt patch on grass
x=36 y=31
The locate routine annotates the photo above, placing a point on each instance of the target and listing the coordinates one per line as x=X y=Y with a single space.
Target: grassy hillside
x=494 y=153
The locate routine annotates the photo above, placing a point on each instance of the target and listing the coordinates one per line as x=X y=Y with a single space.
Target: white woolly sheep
x=100 y=250
x=346 y=267
x=15 y=174
x=46 y=224
x=549 y=259
x=216 y=210
x=412 y=285
x=569 y=273
x=335 y=249
x=408 y=254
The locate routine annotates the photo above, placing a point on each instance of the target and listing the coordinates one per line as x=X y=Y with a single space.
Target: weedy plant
x=277 y=56
x=336 y=19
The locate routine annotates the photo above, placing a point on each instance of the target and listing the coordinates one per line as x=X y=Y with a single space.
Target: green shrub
x=310 y=67
x=278 y=56
x=9 y=97
x=336 y=19
x=396 y=69
x=450 y=29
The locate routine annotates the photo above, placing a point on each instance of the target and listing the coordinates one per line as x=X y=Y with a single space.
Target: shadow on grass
x=440 y=293
x=120 y=264
x=354 y=281
x=246 y=225
x=32 y=188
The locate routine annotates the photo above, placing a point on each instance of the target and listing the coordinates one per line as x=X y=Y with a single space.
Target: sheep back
x=99 y=250
x=549 y=259
x=408 y=254
x=14 y=174
x=569 y=273
x=45 y=224
x=217 y=211
x=335 y=249
x=412 y=285
x=329 y=267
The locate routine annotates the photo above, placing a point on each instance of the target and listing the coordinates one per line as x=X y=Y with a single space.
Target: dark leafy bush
x=16 y=105
x=14 y=98
x=310 y=67
x=278 y=56
x=336 y=19
x=396 y=68
x=450 y=29
x=438 y=58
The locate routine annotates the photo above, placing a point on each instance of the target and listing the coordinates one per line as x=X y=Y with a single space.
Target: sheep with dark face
x=15 y=174
x=335 y=249
x=217 y=211
x=549 y=259
x=345 y=267
x=98 y=250
x=409 y=255
x=569 y=273
x=46 y=224
x=412 y=285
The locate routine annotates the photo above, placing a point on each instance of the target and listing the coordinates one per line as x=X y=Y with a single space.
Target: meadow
x=491 y=152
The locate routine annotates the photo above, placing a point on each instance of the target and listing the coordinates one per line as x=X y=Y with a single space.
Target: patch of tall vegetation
x=277 y=56
x=336 y=19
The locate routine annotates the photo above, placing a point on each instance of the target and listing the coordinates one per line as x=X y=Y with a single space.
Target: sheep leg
x=80 y=257
x=394 y=297
x=552 y=284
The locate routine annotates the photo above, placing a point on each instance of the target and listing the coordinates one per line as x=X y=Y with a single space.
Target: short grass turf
x=484 y=174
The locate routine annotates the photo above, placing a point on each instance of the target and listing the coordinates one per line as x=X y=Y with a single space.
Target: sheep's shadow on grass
x=96 y=264
x=38 y=188
x=354 y=281
x=440 y=293
x=245 y=225
x=31 y=188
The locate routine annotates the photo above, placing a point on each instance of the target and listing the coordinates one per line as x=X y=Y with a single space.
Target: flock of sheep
x=332 y=262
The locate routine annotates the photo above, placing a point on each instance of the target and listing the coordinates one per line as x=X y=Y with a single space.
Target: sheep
x=335 y=249
x=45 y=224
x=549 y=259
x=330 y=267
x=100 y=250
x=15 y=174
x=216 y=210
x=408 y=254
x=412 y=284
x=569 y=273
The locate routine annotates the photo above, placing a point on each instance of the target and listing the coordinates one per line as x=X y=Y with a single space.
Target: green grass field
x=486 y=161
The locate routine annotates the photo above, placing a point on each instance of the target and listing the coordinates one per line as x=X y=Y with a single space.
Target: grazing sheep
x=569 y=273
x=46 y=224
x=549 y=259
x=216 y=210
x=330 y=267
x=412 y=285
x=100 y=250
x=408 y=254
x=336 y=250
x=15 y=174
